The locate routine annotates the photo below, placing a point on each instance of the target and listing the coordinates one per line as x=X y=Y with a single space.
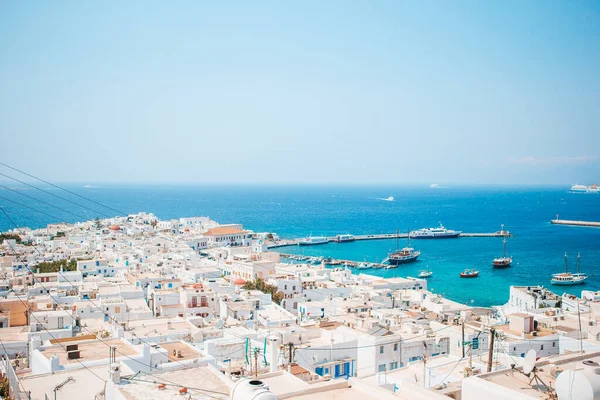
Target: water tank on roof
x=246 y=389
x=580 y=384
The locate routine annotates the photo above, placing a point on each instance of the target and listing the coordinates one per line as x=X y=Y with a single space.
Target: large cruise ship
x=585 y=189
x=435 y=233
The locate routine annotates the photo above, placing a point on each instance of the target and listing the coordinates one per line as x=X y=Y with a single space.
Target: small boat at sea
x=406 y=255
x=425 y=273
x=344 y=238
x=313 y=240
x=502 y=262
x=434 y=233
x=331 y=261
x=567 y=278
x=469 y=273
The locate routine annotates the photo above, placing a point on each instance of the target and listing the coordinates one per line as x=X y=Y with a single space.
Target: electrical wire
x=44 y=202
x=31 y=208
x=54 y=195
x=61 y=188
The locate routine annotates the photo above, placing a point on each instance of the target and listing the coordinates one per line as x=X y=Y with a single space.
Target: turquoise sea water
x=296 y=211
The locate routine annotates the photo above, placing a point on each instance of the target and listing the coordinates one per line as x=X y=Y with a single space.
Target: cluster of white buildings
x=151 y=297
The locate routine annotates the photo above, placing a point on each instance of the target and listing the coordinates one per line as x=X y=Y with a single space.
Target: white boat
x=585 y=189
x=567 y=278
x=435 y=233
x=363 y=265
x=425 y=273
x=344 y=238
x=312 y=240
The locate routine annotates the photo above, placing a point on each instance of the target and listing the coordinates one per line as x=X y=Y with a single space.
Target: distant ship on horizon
x=585 y=189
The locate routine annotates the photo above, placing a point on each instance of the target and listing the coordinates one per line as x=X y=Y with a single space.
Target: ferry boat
x=567 y=278
x=502 y=262
x=434 y=233
x=312 y=240
x=469 y=273
x=585 y=189
x=406 y=255
x=344 y=238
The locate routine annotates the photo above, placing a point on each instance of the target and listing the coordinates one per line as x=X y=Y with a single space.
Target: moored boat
x=312 y=240
x=435 y=233
x=469 y=273
x=403 y=256
x=502 y=262
x=344 y=238
x=567 y=278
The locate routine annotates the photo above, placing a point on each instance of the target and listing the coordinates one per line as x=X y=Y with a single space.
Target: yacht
x=406 y=255
x=502 y=262
x=567 y=278
x=434 y=233
x=312 y=240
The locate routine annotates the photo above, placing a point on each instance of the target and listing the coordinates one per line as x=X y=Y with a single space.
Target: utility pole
x=291 y=347
x=491 y=350
x=424 y=370
x=255 y=362
x=463 y=339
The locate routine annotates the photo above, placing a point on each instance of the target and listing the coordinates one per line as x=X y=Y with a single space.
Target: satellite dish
x=529 y=363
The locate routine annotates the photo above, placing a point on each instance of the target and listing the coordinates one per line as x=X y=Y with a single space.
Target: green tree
x=260 y=284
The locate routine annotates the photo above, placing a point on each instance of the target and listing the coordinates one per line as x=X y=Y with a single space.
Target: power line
x=45 y=202
x=61 y=188
x=374 y=345
x=54 y=338
x=54 y=195
x=31 y=208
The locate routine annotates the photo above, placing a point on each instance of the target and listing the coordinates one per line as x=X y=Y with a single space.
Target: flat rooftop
x=90 y=350
x=187 y=352
x=211 y=381
x=515 y=380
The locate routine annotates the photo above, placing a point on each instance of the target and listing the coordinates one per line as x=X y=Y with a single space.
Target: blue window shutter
x=319 y=370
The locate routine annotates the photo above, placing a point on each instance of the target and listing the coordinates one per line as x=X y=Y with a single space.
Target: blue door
x=337 y=371
x=319 y=371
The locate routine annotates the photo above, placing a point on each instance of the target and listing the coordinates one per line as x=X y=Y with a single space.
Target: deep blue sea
x=295 y=211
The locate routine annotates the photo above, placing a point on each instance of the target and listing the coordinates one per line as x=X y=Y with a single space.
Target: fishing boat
x=331 y=261
x=313 y=240
x=406 y=255
x=425 y=273
x=502 y=262
x=434 y=233
x=469 y=273
x=567 y=278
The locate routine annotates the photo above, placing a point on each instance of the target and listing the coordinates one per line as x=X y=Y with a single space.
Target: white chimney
x=115 y=373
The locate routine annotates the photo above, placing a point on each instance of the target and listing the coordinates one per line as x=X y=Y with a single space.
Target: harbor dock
x=575 y=223
x=386 y=236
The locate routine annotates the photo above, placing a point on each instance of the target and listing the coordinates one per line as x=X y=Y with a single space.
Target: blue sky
x=307 y=92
